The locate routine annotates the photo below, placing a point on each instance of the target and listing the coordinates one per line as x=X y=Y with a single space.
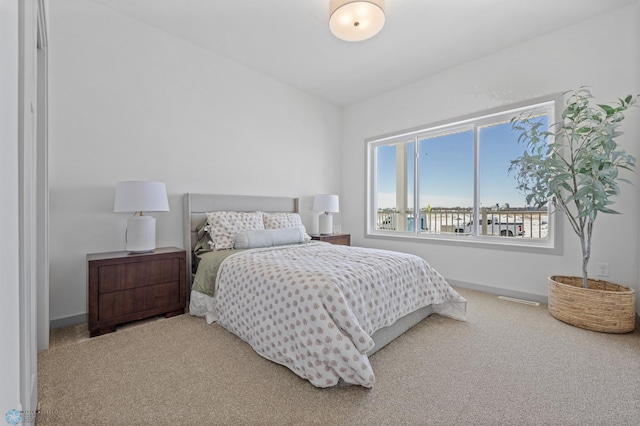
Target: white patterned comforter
x=313 y=307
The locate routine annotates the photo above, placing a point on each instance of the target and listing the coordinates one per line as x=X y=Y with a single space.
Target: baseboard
x=67 y=321
x=510 y=293
x=499 y=291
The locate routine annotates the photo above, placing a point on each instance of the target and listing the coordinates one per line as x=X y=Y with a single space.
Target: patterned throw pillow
x=223 y=226
x=284 y=220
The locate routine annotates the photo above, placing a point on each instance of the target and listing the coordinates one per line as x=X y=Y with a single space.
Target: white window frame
x=551 y=245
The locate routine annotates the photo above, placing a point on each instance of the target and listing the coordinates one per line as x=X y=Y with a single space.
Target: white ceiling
x=290 y=40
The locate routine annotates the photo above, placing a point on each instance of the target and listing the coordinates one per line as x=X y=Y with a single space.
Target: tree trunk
x=586 y=254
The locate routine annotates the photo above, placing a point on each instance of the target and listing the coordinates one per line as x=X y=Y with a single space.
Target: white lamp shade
x=356 y=20
x=141 y=196
x=326 y=203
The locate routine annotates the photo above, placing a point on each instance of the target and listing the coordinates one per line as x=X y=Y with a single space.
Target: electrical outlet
x=603 y=269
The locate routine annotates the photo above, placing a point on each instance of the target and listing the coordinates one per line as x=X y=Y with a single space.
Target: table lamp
x=139 y=197
x=328 y=204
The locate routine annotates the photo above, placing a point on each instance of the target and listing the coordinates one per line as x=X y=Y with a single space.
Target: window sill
x=519 y=244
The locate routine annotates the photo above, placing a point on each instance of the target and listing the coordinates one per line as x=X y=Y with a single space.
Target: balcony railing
x=520 y=223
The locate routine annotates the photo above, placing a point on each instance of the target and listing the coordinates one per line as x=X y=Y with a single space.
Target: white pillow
x=284 y=220
x=223 y=226
x=268 y=237
x=281 y=220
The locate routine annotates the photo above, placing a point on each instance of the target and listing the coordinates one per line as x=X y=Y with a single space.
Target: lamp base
x=141 y=234
x=325 y=222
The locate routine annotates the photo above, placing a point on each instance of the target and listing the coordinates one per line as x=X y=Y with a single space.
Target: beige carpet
x=509 y=364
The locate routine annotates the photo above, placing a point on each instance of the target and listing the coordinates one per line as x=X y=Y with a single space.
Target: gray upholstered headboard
x=196 y=206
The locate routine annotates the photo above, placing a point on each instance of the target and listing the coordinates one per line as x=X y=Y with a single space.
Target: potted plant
x=575 y=165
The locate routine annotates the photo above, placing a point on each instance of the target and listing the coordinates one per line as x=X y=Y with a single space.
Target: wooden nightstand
x=126 y=287
x=340 y=239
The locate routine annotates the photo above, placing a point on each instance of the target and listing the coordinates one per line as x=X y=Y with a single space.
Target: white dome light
x=356 y=20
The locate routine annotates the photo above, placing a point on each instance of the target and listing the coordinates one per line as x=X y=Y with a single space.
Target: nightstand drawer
x=138 y=300
x=137 y=274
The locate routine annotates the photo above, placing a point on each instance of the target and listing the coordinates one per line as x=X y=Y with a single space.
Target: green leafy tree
x=575 y=164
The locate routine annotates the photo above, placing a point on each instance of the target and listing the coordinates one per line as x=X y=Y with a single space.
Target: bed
x=319 y=309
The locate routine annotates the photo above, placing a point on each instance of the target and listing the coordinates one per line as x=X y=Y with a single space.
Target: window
x=451 y=182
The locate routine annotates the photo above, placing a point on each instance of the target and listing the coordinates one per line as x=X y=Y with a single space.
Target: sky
x=446 y=167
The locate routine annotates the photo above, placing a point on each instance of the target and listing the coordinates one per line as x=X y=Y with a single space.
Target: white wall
x=128 y=101
x=601 y=53
x=9 y=220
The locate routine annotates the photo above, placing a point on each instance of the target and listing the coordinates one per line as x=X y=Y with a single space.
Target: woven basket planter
x=603 y=306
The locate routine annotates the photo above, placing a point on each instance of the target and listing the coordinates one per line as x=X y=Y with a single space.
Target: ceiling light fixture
x=356 y=20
